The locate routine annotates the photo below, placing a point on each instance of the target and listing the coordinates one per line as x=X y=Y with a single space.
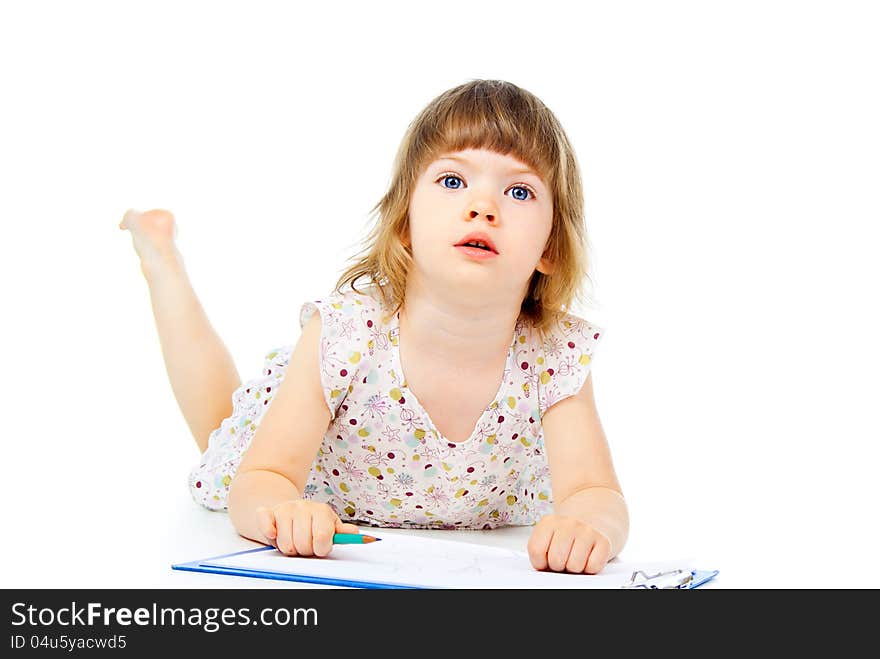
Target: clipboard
x=406 y=562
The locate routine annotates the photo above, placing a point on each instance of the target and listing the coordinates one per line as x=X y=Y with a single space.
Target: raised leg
x=200 y=368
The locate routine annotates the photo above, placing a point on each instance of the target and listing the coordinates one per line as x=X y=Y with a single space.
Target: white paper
x=405 y=560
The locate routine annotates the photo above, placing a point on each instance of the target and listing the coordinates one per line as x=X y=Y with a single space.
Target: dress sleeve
x=568 y=350
x=340 y=345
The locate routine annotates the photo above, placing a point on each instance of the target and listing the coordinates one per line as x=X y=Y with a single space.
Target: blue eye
x=446 y=177
x=528 y=191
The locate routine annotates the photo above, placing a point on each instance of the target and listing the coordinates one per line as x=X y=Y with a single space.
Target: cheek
x=421 y=236
x=425 y=222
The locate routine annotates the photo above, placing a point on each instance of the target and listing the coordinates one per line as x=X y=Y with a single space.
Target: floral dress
x=382 y=461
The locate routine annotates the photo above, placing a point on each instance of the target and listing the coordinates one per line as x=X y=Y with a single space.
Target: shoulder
x=575 y=332
x=353 y=324
x=346 y=313
x=336 y=305
x=564 y=357
x=342 y=336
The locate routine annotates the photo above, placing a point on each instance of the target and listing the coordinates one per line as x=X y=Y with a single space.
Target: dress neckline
x=394 y=334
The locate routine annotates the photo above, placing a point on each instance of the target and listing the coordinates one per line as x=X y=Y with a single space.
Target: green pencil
x=352 y=539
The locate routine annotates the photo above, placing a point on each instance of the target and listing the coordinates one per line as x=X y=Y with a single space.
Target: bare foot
x=152 y=234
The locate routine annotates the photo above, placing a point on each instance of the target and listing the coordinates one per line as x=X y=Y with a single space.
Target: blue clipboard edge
x=199 y=566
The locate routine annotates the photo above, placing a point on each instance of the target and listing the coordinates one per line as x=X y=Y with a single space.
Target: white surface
x=729 y=157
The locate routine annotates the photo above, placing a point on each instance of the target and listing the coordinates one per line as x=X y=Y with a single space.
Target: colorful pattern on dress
x=382 y=461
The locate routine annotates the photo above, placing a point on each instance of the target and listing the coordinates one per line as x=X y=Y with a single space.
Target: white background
x=730 y=163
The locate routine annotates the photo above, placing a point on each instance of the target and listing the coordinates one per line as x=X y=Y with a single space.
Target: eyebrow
x=512 y=170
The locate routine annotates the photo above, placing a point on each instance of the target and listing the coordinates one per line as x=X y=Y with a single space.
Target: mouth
x=477 y=246
x=477 y=241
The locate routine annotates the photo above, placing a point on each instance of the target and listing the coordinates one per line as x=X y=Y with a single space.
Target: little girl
x=451 y=390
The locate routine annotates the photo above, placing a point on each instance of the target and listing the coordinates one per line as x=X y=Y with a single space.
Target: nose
x=489 y=216
x=483 y=209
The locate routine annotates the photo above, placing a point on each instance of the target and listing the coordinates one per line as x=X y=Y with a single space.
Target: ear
x=545 y=266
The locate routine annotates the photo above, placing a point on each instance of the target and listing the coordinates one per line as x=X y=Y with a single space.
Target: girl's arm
x=585 y=486
x=276 y=466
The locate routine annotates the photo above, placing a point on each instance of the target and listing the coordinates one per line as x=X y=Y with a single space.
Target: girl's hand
x=301 y=527
x=566 y=544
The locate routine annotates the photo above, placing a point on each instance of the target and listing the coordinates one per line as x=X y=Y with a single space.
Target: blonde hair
x=502 y=117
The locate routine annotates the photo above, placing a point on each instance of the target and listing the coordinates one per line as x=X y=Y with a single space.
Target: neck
x=465 y=335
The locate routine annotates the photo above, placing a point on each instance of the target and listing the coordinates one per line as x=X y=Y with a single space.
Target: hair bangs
x=493 y=117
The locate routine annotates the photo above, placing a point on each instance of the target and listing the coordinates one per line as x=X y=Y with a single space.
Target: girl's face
x=480 y=191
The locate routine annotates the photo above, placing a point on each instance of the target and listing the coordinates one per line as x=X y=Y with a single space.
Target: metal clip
x=676 y=579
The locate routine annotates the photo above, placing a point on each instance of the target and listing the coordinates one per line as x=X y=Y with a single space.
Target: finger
x=346 y=527
x=284 y=541
x=599 y=555
x=322 y=533
x=560 y=548
x=302 y=534
x=539 y=542
x=577 y=557
x=266 y=523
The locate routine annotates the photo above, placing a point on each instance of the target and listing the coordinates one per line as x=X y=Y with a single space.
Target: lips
x=478 y=236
